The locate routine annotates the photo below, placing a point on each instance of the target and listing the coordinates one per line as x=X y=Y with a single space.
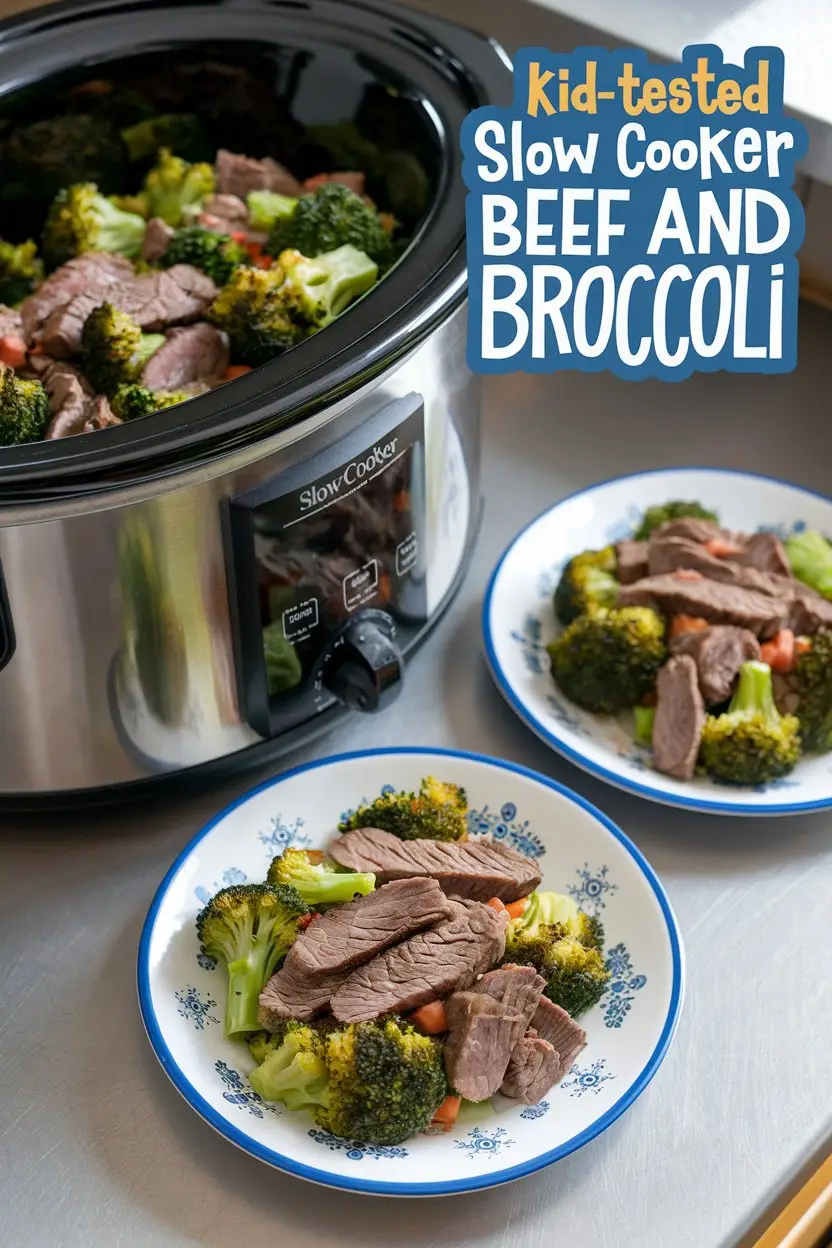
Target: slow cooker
x=207 y=586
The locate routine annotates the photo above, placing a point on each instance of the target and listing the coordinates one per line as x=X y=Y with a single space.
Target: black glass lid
x=263 y=76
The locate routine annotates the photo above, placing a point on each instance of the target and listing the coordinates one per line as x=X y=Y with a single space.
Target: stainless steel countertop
x=96 y=1148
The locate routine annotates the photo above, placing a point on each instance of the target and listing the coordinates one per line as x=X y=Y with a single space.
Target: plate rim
x=700 y=805
x=379 y=1187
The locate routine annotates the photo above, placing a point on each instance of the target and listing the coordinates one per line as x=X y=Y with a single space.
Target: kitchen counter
x=96 y=1148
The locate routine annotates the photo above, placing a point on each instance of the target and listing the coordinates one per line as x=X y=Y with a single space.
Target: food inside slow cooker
x=144 y=263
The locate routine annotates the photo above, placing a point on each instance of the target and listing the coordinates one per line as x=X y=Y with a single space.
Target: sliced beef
x=516 y=988
x=693 y=529
x=93 y=277
x=765 y=552
x=293 y=993
x=228 y=208
x=716 y=602
x=238 y=175
x=680 y=717
x=11 y=323
x=809 y=611
x=632 y=561
x=171 y=297
x=349 y=935
x=446 y=958
x=533 y=1069
x=552 y=1023
x=100 y=415
x=474 y=869
x=157 y=236
x=719 y=652
x=481 y=1039
x=75 y=408
x=193 y=353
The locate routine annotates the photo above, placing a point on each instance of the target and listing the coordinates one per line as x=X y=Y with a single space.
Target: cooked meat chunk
x=552 y=1023
x=481 y=1039
x=632 y=561
x=533 y=1069
x=93 y=276
x=193 y=353
x=238 y=175
x=75 y=409
x=680 y=717
x=349 y=935
x=293 y=993
x=157 y=235
x=474 y=869
x=765 y=552
x=446 y=958
x=809 y=611
x=173 y=296
x=516 y=988
x=100 y=415
x=11 y=324
x=719 y=652
x=693 y=529
x=229 y=208
x=713 y=601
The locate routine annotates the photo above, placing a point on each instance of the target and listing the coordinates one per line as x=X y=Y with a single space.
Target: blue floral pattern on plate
x=281 y=835
x=587 y=1079
x=229 y=878
x=241 y=1094
x=624 y=983
x=593 y=889
x=504 y=826
x=535 y=1111
x=354 y=1149
x=195 y=1008
x=479 y=1142
x=530 y=638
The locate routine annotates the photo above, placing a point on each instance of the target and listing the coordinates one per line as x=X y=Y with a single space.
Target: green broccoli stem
x=645 y=718
x=246 y=979
x=755 y=691
x=334 y=887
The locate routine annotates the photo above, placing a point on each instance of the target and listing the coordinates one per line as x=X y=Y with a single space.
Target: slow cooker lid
x=445 y=70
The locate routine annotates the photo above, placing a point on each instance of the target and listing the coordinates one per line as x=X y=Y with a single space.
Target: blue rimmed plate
x=518 y=621
x=181 y=992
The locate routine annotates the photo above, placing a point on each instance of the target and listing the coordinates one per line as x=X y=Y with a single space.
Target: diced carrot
x=687 y=574
x=263 y=262
x=255 y=250
x=315 y=856
x=495 y=903
x=779 y=652
x=431 y=1018
x=12 y=351
x=686 y=624
x=234 y=371
x=239 y=236
x=722 y=549
x=305 y=920
x=446 y=1114
x=802 y=645
x=516 y=909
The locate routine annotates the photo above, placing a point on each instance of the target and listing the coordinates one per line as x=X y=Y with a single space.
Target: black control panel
x=327 y=572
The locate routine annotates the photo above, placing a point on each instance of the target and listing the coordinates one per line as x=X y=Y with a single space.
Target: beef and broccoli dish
x=410 y=969
x=142 y=265
x=718 y=643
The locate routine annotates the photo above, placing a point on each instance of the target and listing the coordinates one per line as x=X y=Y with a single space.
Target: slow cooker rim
x=384 y=326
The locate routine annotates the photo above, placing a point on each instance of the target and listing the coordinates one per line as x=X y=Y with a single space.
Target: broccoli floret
x=318 y=881
x=20 y=271
x=813 y=681
x=332 y=217
x=250 y=927
x=574 y=970
x=82 y=219
x=266 y=208
x=378 y=1083
x=284 y=670
x=810 y=556
x=588 y=581
x=24 y=409
x=177 y=189
x=262 y=1043
x=548 y=909
x=674 y=510
x=48 y=155
x=751 y=742
x=319 y=290
x=607 y=661
x=113 y=349
x=133 y=401
x=181 y=133
x=644 y=719
x=139 y=204
x=215 y=254
x=439 y=812
x=253 y=311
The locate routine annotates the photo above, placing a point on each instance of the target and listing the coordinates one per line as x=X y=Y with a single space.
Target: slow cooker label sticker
x=635 y=217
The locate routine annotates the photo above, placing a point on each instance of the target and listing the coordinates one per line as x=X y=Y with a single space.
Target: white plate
x=518 y=622
x=581 y=852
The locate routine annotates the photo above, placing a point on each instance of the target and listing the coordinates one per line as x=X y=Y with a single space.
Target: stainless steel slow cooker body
x=132 y=607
